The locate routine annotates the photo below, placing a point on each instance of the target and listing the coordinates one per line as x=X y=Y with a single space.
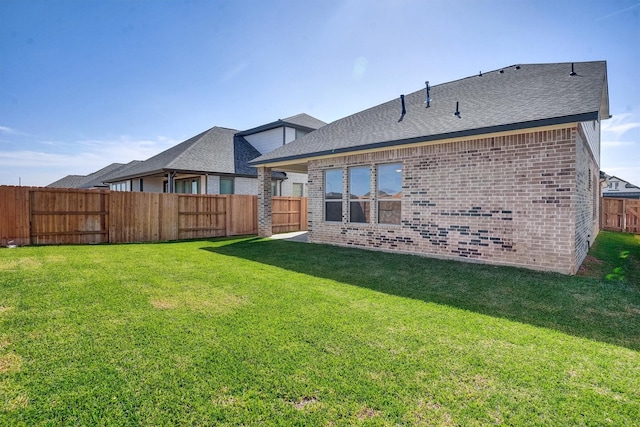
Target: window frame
x=227 y=179
x=364 y=201
x=185 y=186
x=297 y=185
x=120 y=186
x=337 y=201
x=397 y=165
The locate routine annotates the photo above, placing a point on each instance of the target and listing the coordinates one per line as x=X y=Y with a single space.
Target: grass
x=249 y=331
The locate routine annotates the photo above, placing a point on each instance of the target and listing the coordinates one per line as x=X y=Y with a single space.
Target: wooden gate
x=620 y=215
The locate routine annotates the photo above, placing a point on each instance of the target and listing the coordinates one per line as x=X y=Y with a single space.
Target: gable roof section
x=513 y=98
x=304 y=120
x=210 y=151
x=299 y=121
x=627 y=184
x=244 y=153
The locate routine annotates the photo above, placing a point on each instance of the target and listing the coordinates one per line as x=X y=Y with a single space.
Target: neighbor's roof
x=217 y=150
x=512 y=98
x=210 y=151
x=305 y=120
x=69 y=181
x=101 y=177
x=627 y=184
x=95 y=179
x=300 y=121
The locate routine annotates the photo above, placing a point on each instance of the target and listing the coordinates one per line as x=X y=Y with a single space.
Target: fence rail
x=620 y=215
x=35 y=215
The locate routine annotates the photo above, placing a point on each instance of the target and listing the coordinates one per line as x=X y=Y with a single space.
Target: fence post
x=624 y=215
x=265 y=228
x=228 y=214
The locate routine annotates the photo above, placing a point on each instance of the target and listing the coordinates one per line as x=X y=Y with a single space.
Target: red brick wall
x=501 y=200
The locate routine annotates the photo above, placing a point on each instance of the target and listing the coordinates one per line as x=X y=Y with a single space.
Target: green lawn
x=268 y=332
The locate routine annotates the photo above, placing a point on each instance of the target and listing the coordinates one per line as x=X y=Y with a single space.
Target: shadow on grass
x=603 y=310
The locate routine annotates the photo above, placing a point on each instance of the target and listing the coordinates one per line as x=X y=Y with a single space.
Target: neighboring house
x=619 y=188
x=216 y=162
x=500 y=168
x=96 y=179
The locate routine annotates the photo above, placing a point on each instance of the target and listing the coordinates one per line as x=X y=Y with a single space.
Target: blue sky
x=87 y=83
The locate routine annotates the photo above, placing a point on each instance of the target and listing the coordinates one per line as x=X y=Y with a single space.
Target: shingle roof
x=210 y=151
x=516 y=97
x=244 y=153
x=69 y=181
x=99 y=178
x=305 y=120
x=217 y=150
x=300 y=121
x=95 y=179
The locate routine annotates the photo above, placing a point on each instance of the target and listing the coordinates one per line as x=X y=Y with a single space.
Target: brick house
x=500 y=168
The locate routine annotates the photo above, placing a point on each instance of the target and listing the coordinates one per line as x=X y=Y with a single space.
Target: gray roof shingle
x=93 y=180
x=69 y=181
x=210 y=151
x=516 y=97
x=299 y=121
x=305 y=120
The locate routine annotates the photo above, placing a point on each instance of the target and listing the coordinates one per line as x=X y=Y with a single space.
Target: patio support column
x=264 y=202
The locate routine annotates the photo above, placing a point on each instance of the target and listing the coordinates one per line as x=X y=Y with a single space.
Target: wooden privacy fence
x=288 y=214
x=620 y=215
x=31 y=215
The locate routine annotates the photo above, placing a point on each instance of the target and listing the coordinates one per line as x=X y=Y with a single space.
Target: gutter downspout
x=171 y=176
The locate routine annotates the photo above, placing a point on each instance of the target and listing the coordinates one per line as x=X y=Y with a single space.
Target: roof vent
x=404 y=110
x=480 y=74
x=517 y=67
x=572 y=73
x=428 y=100
x=501 y=71
x=457 y=113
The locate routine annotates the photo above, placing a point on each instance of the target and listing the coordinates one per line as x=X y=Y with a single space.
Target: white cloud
x=618 y=125
x=40 y=167
x=11 y=131
x=610 y=144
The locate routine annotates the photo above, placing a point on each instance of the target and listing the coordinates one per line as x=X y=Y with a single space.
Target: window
x=333 y=195
x=120 y=186
x=226 y=185
x=389 y=193
x=298 y=189
x=188 y=186
x=274 y=188
x=359 y=194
